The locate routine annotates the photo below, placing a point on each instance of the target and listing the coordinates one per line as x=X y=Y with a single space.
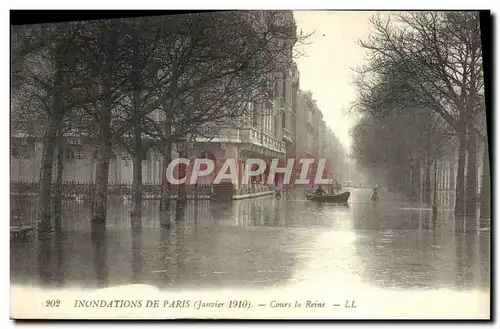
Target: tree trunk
x=182 y=192
x=418 y=177
x=408 y=180
x=400 y=185
x=460 y=181
x=395 y=177
x=180 y=209
x=427 y=181
x=44 y=224
x=58 y=186
x=100 y=202
x=471 y=189
x=100 y=197
x=435 y=197
x=138 y=151
x=485 y=211
x=100 y=246
x=165 y=185
x=138 y=156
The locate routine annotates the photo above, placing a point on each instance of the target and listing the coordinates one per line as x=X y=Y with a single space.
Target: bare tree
x=103 y=74
x=439 y=66
x=221 y=67
x=190 y=70
x=42 y=98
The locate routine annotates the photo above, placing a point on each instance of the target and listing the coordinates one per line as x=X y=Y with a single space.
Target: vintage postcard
x=265 y=164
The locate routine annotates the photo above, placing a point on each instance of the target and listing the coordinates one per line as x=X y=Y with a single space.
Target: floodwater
x=393 y=258
x=253 y=243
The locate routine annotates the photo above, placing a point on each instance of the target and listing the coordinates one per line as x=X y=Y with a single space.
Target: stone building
x=306 y=125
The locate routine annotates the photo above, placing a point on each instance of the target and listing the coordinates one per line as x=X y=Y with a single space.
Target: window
x=69 y=155
x=79 y=153
x=207 y=155
x=14 y=152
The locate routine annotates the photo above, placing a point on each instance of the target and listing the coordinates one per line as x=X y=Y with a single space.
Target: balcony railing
x=252 y=189
x=246 y=135
x=219 y=134
x=254 y=136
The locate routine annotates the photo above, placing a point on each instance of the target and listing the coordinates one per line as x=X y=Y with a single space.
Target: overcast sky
x=332 y=52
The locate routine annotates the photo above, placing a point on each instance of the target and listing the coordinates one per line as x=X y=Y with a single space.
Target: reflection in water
x=136 y=256
x=99 y=243
x=58 y=259
x=417 y=248
x=46 y=258
x=393 y=243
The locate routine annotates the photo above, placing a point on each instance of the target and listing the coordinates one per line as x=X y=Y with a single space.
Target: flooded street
x=160 y=165
x=265 y=242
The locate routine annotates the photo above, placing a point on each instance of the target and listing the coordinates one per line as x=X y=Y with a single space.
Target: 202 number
x=52 y=303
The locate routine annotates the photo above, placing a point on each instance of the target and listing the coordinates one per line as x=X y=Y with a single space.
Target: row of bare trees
x=139 y=84
x=422 y=92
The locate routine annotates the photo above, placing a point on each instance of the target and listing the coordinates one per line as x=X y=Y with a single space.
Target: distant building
x=306 y=127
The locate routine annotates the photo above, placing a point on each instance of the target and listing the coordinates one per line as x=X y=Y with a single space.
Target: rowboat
x=337 y=198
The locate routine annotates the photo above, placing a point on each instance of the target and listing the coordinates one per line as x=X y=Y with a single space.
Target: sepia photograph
x=250 y=164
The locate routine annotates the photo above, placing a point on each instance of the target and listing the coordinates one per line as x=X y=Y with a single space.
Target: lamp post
x=386 y=172
x=411 y=174
x=434 y=204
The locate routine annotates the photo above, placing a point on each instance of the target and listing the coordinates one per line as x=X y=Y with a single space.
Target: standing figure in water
x=375 y=193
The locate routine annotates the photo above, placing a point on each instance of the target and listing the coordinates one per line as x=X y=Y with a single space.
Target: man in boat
x=319 y=191
x=331 y=190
